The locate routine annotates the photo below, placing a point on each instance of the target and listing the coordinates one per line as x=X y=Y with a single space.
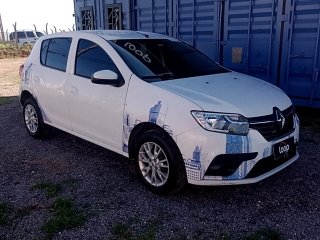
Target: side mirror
x=107 y=77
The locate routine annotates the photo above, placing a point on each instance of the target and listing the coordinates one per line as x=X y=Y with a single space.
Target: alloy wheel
x=153 y=164
x=31 y=118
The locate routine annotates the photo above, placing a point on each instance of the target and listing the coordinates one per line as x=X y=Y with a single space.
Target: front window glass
x=30 y=34
x=92 y=58
x=163 y=59
x=21 y=35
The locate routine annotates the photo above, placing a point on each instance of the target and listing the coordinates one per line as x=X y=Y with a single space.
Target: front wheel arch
x=178 y=177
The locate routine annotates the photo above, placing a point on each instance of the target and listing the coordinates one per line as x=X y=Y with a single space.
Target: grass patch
x=3 y=213
x=123 y=231
x=25 y=211
x=5 y=100
x=9 y=215
x=65 y=216
x=10 y=50
x=264 y=234
x=149 y=233
x=51 y=189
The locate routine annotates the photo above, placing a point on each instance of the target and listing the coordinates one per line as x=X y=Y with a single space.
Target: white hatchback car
x=182 y=117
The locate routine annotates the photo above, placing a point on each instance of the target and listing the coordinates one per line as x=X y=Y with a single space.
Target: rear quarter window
x=54 y=53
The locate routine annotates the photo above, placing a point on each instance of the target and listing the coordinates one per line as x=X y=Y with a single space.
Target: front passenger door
x=96 y=110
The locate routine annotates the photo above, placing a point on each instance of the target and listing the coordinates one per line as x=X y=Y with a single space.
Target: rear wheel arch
x=24 y=96
x=33 y=120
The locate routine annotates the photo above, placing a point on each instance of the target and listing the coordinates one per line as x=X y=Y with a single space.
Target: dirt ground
x=9 y=76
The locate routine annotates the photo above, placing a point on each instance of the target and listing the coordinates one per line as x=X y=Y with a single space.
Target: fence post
x=15 y=33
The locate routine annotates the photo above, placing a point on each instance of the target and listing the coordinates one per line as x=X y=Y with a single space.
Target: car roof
x=112 y=34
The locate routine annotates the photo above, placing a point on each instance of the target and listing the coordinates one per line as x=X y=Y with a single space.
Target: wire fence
x=4 y=36
x=13 y=35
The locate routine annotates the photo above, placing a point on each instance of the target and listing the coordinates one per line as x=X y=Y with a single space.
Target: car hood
x=229 y=92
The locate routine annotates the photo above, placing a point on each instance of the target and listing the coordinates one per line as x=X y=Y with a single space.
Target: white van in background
x=24 y=37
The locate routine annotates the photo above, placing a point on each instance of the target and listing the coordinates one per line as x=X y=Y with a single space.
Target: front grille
x=270 y=128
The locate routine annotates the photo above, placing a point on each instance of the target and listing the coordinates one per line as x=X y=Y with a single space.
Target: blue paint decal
x=154 y=112
x=127 y=128
x=238 y=144
x=193 y=166
x=129 y=124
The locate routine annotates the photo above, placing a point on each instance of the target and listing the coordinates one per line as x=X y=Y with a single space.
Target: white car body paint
x=106 y=115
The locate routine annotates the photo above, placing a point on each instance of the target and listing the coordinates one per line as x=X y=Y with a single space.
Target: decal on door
x=129 y=123
x=154 y=112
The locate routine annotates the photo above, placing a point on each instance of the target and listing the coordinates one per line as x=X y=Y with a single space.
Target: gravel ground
x=104 y=187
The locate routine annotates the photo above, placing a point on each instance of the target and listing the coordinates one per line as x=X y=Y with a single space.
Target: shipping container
x=275 y=40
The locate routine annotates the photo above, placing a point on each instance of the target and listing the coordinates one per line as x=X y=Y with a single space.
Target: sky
x=39 y=12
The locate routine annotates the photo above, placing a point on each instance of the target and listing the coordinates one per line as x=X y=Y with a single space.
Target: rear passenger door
x=49 y=80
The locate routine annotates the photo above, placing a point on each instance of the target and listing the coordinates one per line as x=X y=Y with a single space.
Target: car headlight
x=222 y=122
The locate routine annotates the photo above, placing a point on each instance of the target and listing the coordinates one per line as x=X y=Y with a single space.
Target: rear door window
x=54 y=53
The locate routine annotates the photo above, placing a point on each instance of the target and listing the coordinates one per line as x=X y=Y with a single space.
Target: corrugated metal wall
x=300 y=55
x=276 y=40
x=251 y=37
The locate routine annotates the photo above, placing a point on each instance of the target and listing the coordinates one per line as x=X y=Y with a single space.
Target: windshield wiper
x=162 y=76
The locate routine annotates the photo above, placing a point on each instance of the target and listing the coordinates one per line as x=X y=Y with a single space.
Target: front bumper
x=200 y=148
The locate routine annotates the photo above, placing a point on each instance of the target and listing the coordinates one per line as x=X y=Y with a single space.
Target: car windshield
x=164 y=59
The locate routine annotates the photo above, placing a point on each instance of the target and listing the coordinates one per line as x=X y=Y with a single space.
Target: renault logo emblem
x=280 y=119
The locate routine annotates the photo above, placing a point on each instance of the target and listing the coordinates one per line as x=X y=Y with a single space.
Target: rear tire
x=159 y=163
x=33 y=120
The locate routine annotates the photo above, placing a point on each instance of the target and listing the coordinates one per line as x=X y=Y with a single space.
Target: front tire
x=159 y=163
x=33 y=120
